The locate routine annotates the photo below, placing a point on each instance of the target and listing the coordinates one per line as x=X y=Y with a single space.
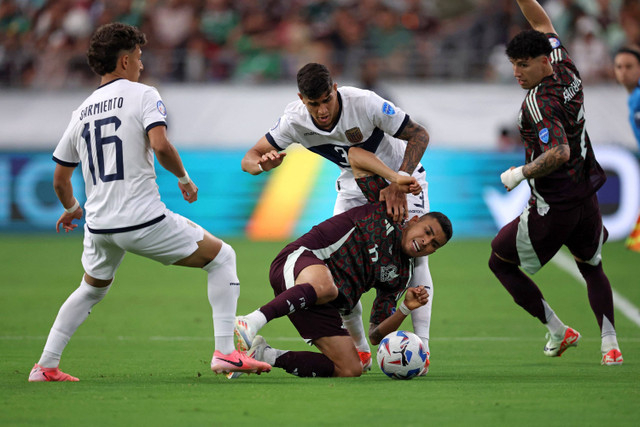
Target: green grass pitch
x=143 y=355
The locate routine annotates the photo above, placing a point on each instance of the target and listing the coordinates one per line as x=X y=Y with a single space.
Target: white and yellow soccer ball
x=401 y=355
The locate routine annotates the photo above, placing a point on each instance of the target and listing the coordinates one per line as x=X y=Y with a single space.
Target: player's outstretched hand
x=416 y=297
x=396 y=200
x=271 y=160
x=66 y=220
x=189 y=191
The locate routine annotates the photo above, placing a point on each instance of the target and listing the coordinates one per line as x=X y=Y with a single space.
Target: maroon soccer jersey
x=553 y=114
x=362 y=248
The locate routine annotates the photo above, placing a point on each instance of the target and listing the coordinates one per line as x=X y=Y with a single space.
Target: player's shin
x=353 y=323
x=305 y=364
x=223 y=288
x=295 y=298
x=72 y=314
x=421 y=316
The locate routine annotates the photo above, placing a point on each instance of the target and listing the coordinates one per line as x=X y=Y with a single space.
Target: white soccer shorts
x=168 y=241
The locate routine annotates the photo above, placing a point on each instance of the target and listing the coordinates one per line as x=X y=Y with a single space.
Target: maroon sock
x=294 y=298
x=305 y=364
x=523 y=290
x=598 y=290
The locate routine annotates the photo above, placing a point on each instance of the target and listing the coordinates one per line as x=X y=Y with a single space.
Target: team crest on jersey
x=544 y=135
x=161 y=108
x=554 y=42
x=388 y=273
x=388 y=109
x=354 y=135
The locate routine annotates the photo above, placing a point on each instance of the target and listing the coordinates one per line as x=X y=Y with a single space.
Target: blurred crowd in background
x=43 y=42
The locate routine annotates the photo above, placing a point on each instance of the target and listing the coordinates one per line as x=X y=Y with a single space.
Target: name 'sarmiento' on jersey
x=101 y=107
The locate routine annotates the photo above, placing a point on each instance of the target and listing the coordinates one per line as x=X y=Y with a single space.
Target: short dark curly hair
x=529 y=44
x=107 y=44
x=314 y=80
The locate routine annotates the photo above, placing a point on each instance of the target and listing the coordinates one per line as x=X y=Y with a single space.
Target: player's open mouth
x=416 y=246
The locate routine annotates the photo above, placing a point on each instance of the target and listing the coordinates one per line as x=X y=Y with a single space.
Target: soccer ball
x=401 y=355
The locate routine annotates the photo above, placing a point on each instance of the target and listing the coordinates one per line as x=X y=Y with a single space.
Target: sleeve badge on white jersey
x=354 y=135
x=161 y=108
x=388 y=109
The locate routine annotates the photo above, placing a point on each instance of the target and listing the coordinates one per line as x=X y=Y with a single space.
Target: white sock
x=554 y=324
x=609 y=338
x=353 y=323
x=421 y=316
x=256 y=319
x=223 y=289
x=72 y=313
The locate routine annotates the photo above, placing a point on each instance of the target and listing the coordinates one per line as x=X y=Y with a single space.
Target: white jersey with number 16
x=108 y=135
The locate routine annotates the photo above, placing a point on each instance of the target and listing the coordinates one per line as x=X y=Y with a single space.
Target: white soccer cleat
x=245 y=333
x=612 y=358
x=557 y=345
x=255 y=352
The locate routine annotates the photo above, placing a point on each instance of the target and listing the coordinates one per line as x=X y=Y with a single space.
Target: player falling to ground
x=114 y=134
x=564 y=176
x=328 y=121
x=627 y=70
x=325 y=272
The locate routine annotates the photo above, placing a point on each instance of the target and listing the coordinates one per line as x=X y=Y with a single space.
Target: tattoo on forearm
x=360 y=174
x=417 y=140
x=547 y=162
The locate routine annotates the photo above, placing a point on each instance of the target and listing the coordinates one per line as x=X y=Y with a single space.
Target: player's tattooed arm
x=548 y=162
x=417 y=140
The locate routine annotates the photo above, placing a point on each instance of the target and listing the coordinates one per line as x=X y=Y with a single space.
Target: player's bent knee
x=349 y=371
x=326 y=292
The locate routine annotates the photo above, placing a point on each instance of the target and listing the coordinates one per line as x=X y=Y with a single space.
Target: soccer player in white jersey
x=329 y=121
x=114 y=134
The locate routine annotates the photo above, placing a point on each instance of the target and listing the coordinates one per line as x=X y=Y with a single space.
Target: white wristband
x=403 y=173
x=185 y=179
x=404 y=309
x=512 y=177
x=73 y=208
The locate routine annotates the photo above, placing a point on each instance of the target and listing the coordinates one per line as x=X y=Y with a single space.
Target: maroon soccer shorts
x=532 y=239
x=312 y=322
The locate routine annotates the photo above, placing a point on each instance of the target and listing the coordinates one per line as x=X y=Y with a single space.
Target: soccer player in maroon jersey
x=564 y=176
x=325 y=272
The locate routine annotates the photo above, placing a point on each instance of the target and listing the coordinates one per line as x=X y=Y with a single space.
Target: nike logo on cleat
x=238 y=363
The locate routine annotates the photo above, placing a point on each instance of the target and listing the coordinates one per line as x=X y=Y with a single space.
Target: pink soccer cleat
x=425 y=370
x=612 y=358
x=365 y=360
x=39 y=374
x=237 y=362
